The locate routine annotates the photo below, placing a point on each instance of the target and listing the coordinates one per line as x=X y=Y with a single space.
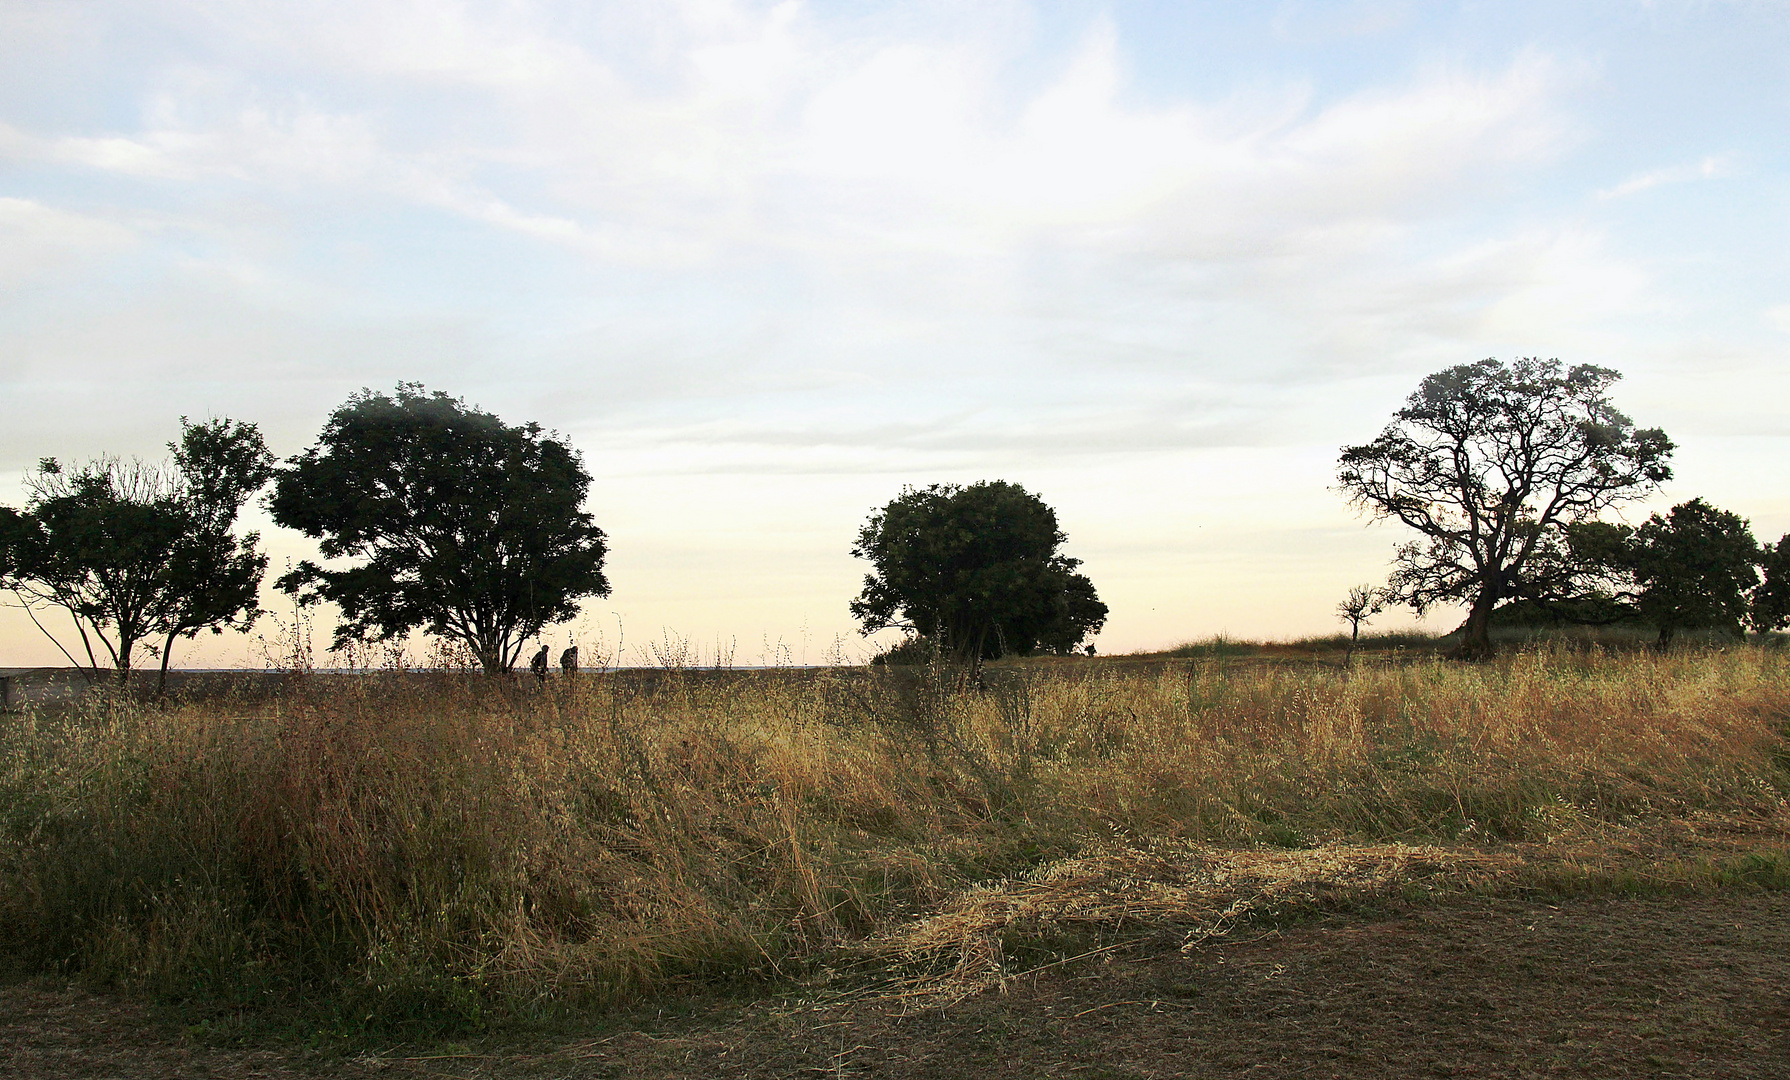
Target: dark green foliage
x=975 y=570
x=1771 y=600
x=13 y=531
x=466 y=527
x=1490 y=463
x=214 y=577
x=133 y=552
x=1694 y=569
x=94 y=542
x=1595 y=608
x=908 y=652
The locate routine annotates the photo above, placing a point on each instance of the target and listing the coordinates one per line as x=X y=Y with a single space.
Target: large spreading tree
x=137 y=554
x=1490 y=463
x=975 y=570
x=463 y=526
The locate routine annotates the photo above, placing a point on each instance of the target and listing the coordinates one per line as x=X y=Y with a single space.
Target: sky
x=764 y=264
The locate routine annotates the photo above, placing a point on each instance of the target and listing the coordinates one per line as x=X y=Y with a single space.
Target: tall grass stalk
x=425 y=851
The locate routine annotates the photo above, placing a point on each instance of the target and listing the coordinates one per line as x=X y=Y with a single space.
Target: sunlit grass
x=429 y=850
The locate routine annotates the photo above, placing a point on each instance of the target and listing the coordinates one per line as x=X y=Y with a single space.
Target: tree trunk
x=161 y=682
x=121 y=669
x=1666 y=632
x=490 y=659
x=1476 y=635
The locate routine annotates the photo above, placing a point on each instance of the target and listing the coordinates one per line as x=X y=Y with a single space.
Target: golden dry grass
x=430 y=850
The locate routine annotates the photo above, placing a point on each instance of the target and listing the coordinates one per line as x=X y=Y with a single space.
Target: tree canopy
x=977 y=571
x=14 y=529
x=465 y=527
x=133 y=552
x=1695 y=568
x=214 y=576
x=1771 y=600
x=1489 y=463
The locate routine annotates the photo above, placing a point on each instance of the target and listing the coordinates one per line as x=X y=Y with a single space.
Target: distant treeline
x=439 y=518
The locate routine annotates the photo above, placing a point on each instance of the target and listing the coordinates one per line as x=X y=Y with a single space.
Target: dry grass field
x=406 y=859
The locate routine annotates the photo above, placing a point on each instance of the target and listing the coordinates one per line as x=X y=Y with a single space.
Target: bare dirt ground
x=1693 y=986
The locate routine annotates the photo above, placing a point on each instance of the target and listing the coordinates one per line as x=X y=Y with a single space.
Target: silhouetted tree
x=1771 y=600
x=1695 y=569
x=14 y=529
x=1362 y=604
x=976 y=571
x=466 y=527
x=214 y=576
x=133 y=552
x=94 y=542
x=1489 y=463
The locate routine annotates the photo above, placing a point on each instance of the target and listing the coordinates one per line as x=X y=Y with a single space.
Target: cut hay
x=1120 y=893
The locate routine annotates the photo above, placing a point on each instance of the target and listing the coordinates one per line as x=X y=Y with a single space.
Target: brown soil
x=1695 y=986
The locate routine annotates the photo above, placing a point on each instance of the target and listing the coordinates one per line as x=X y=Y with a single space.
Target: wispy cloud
x=903 y=182
x=757 y=128
x=1167 y=262
x=1710 y=168
x=37 y=241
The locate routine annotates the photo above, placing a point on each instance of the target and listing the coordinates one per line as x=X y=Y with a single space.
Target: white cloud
x=755 y=128
x=38 y=240
x=1333 y=21
x=908 y=133
x=1709 y=168
x=919 y=207
x=203 y=130
x=1541 y=285
x=925 y=211
x=762 y=250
